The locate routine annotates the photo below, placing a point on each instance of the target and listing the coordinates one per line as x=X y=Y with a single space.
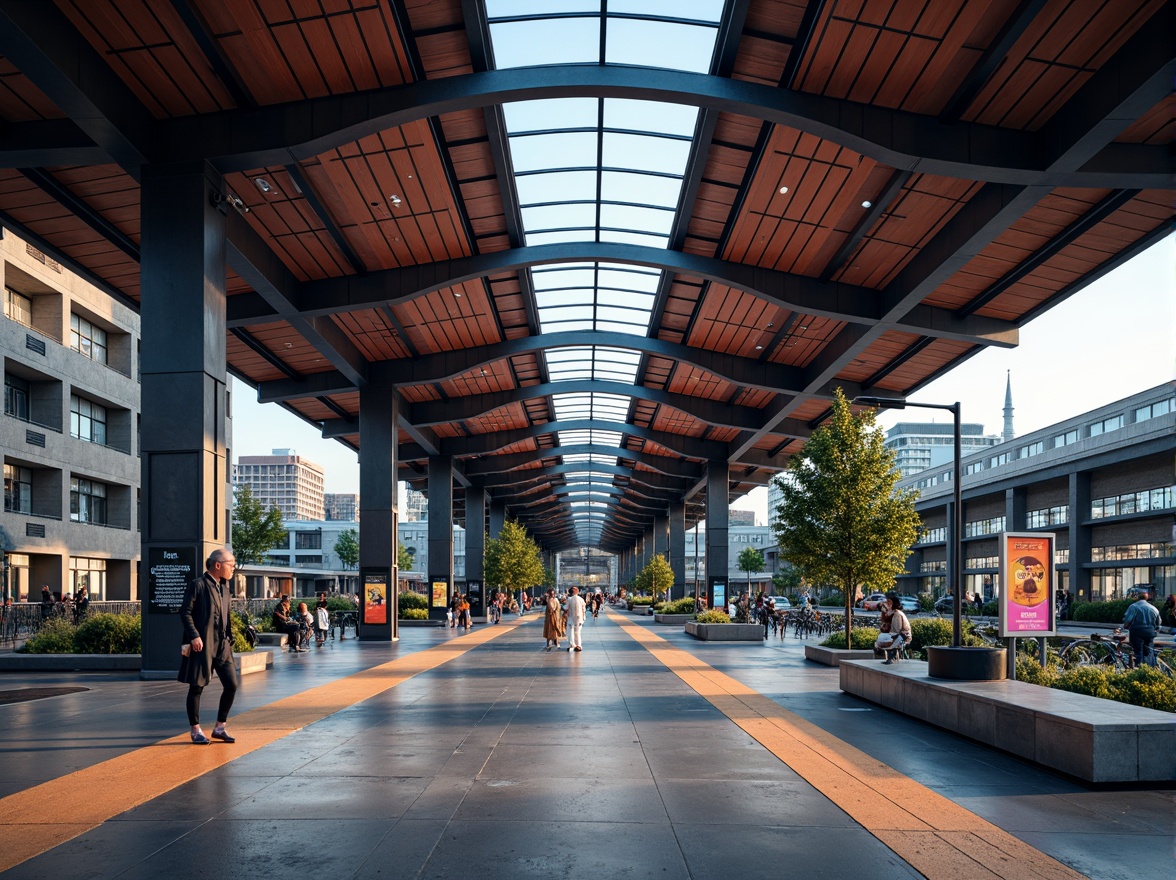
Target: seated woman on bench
x=896 y=629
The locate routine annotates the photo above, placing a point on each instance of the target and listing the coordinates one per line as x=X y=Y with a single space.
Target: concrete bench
x=726 y=632
x=273 y=640
x=1086 y=737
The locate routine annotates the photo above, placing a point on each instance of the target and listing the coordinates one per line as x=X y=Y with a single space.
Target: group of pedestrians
x=298 y=625
x=70 y=605
x=566 y=619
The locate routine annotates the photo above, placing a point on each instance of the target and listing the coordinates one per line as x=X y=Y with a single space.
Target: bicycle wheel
x=1087 y=653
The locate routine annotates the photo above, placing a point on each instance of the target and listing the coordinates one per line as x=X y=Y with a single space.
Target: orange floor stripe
x=934 y=835
x=98 y=793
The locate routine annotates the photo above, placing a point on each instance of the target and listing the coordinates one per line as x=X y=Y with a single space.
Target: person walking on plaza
x=208 y=643
x=552 y=620
x=322 y=621
x=1142 y=622
x=575 y=610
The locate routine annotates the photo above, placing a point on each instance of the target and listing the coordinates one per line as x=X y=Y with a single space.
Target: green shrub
x=834 y=599
x=404 y=602
x=937 y=631
x=1101 y=612
x=927 y=602
x=712 y=616
x=640 y=601
x=990 y=608
x=861 y=637
x=1089 y=680
x=240 y=643
x=414 y=614
x=1145 y=686
x=1029 y=670
x=342 y=603
x=109 y=634
x=679 y=606
x=56 y=636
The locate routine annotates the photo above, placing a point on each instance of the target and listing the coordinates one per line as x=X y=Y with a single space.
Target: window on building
x=88 y=573
x=990 y=526
x=1003 y=458
x=974 y=468
x=87 y=420
x=1048 y=516
x=18 y=489
x=1066 y=439
x=16 y=397
x=87 y=339
x=1154 y=550
x=1032 y=449
x=18 y=307
x=982 y=562
x=1133 y=502
x=308 y=540
x=933 y=536
x=1114 y=423
x=1154 y=410
x=87 y=501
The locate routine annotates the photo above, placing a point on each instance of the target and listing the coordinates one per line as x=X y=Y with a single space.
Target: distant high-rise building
x=341 y=506
x=741 y=517
x=416 y=506
x=284 y=480
x=920 y=445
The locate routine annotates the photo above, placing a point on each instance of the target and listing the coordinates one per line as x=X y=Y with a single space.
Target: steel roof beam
x=247 y=138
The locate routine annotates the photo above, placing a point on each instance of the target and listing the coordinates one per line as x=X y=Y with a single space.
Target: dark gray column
x=497 y=518
x=475 y=549
x=678 y=548
x=185 y=472
x=440 y=534
x=378 y=504
x=718 y=516
x=1015 y=502
x=1080 y=536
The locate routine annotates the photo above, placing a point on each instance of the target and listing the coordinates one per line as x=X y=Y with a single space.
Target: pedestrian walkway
x=454 y=755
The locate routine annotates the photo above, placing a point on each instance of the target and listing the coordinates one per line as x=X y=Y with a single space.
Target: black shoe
x=199 y=739
x=223 y=736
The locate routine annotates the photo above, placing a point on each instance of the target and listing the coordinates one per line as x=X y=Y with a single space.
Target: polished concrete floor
x=481 y=755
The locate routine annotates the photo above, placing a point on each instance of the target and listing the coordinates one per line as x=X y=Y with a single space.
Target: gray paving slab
x=510 y=762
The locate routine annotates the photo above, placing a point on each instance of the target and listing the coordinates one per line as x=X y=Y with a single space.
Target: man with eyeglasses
x=208 y=643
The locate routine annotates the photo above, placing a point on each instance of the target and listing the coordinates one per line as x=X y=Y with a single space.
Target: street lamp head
x=881 y=402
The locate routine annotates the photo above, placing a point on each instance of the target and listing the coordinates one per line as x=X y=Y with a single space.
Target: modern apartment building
x=1104 y=482
x=921 y=445
x=285 y=480
x=70 y=432
x=341 y=506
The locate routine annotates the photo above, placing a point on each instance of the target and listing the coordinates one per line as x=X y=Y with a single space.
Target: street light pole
x=956 y=572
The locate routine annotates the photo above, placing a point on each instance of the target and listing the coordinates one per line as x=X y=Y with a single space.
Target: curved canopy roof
x=602 y=245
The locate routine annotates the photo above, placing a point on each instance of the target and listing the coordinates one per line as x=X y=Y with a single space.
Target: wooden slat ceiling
x=983 y=160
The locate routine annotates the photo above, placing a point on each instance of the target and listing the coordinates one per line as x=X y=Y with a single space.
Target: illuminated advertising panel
x=1027 y=584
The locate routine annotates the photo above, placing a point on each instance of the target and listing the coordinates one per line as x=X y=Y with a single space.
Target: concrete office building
x=285 y=480
x=341 y=506
x=69 y=433
x=921 y=445
x=416 y=505
x=1103 y=482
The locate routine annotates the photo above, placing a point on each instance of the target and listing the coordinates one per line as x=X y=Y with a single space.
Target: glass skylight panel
x=628 y=277
x=623 y=236
x=695 y=10
x=648 y=189
x=564 y=275
x=554 y=237
x=550 y=114
x=633 y=217
x=642 y=152
x=659 y=44
x=557 y=186
x=546 y=41
x=630 y=115
x=531 y=8
x=532 y=152
x=560 y=216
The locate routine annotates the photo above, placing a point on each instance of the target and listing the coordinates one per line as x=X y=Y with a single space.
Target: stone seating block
x=278 y=640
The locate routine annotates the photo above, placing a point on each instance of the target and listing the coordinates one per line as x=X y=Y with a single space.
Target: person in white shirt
x=575 y=611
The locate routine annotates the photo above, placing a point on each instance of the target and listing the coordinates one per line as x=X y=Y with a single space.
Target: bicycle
x=1098 y=650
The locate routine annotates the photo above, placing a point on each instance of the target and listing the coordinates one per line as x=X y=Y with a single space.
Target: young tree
x=347 y=548
x=404 y=559
x=657 y=577
x=255 y=531
x=840 y=519
x=512 y=561
x=752 y=562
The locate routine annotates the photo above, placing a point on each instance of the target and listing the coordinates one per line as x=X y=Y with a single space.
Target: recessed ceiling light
x=457 y=293
x=759 y=348
x=262 y=184
x=783 y=190
x=867 y=203
x=395 y=200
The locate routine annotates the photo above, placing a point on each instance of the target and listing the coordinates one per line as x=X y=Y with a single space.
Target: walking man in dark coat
x=208 y=643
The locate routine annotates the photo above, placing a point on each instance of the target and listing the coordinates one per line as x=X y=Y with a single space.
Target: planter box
x=726 y=632
x=673 y=619
x=255 y=661
x=834 y=656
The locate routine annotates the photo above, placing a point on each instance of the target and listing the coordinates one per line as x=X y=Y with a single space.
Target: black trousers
x=230 y=681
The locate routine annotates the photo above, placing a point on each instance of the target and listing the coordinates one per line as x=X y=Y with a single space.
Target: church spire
x=1008 y=434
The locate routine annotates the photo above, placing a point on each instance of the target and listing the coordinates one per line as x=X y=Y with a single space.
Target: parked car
x=945 y=604
x=782 y=603
x=1136 y=592
x=910 y=604
x=873 y=601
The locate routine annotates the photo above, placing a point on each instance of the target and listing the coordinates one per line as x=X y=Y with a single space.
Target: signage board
x=1027 y=584
x=169 y=569
x=375 y=597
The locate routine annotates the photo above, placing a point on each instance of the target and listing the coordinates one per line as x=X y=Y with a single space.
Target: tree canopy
x=656 y=577
x=347 y=548
x=840 y=519
x=751 y=561
x=512 y=560
x=255 y=531
x=404 y=559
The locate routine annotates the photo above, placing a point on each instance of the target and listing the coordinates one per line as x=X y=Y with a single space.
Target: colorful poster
x=375 y=599
x=1027 y=584
x=440 y=594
